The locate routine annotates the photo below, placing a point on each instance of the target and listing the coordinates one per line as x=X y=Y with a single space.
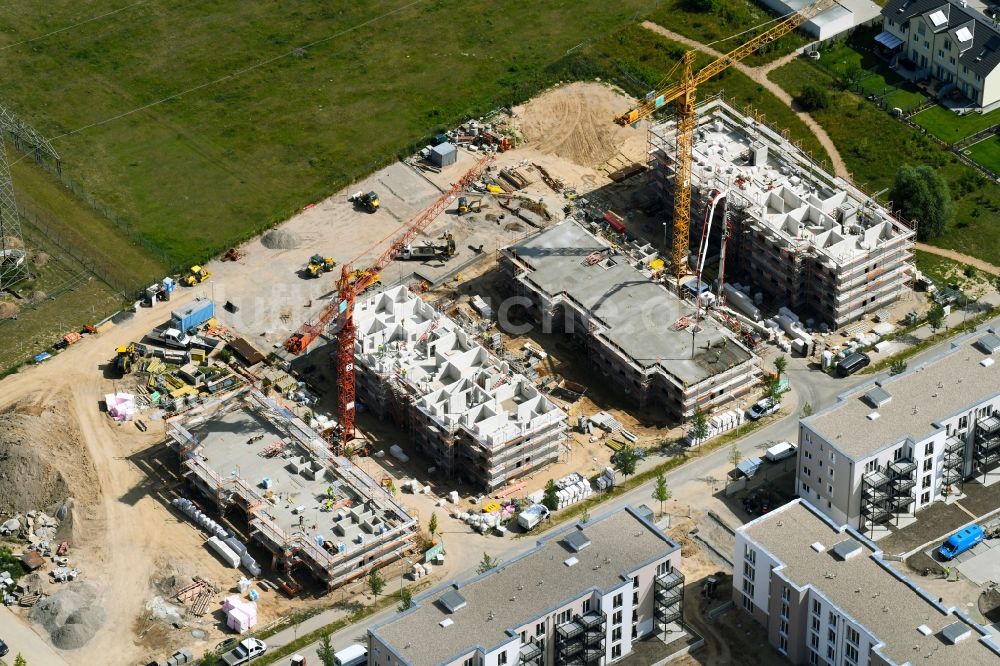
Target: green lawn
x=945 y=271
x=726 y=19
x=212 y=167
x=987 y=153
x=874 y=154
x=950 y=126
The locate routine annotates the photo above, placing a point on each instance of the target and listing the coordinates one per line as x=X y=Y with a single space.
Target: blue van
x=961 y=541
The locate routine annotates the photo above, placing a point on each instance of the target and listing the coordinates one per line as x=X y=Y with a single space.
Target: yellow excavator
x=196 y=275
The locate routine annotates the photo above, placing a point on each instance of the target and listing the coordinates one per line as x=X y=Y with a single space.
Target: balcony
x=531 y=655
x=902 y=467
x=952 y=475
x=989 y=425
x=669 y=580
x=568 y=631
x=875 y=496
x=875 y=513
x=987 y=445
x=902 y=487
x=953 y=445
x=875 y=479
x=901 y=502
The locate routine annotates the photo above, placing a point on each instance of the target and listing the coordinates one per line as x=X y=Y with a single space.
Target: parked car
x=852 y=364
x=3 y=649
x=249 y=648
x=762 y=408
x=961 y=541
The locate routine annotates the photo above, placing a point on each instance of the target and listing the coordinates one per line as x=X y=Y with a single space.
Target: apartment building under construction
x=809 y=240
x=270 y=474
x=477 y=419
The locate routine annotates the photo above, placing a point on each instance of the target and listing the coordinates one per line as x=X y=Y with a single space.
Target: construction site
x=810 y=241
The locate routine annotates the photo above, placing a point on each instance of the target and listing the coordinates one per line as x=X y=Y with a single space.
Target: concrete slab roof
x=638 y=314
x=539 y=581
x=921 y=397
x=874 y=595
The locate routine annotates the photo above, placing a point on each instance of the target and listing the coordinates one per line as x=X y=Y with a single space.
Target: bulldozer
x=367 y=200
x=196 y=275
x=319 y=264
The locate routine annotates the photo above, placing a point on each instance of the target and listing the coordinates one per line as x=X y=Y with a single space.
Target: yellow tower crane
x=683 y=92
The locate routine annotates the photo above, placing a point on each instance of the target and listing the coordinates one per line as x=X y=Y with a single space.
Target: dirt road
x=759 y=75
x=984 y=266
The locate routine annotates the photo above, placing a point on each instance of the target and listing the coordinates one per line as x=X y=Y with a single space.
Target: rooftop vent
x=989 y=343
x=955 y=632
x=818 y=547
x=570 y=561
x=577 y=541
x=873 y=416
x=986 y=362
x=846 y=549
x=877 y=397
x=925 y=630
x=447 y=622
x=452 y=601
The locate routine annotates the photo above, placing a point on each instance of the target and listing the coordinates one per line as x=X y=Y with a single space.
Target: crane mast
x=683 y=93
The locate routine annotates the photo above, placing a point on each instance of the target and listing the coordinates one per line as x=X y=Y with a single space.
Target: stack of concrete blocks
x=182 y=656
x=606 y=479
x=572 y=488
x=220 y=534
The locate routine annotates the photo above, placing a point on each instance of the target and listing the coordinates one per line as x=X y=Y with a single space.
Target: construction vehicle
x=196 y=275
x=319 y=264
x=466 y=206
x=126 y=356
x=367 y=200
x=683 y=92
x=351 y=284
x=429 y=250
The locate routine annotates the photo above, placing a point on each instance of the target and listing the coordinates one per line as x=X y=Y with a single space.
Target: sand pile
x=71 y=616
x=280 y=240
x=8 y=310
x=576 y=122
x=12 y=243
x=43 y=462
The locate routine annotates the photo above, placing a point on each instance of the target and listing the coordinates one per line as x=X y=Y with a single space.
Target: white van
x=355 y=655
x=781 y=451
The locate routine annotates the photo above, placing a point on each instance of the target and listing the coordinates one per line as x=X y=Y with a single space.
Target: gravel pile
x=280 y=240
x=71 y=616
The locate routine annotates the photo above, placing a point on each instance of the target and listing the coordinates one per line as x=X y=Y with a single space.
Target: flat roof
x=921 y=397
x=518 y=591
x=638 y=314
x=888 y=605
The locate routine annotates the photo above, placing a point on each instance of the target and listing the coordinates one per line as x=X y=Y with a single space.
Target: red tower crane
x=351 y=284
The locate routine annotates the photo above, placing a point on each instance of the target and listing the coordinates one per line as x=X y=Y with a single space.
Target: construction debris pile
x=71 y=616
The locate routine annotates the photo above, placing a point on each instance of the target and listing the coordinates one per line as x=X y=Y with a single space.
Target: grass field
x=949 y=126
x=218 y=165
x=726 y=19
x=987 y=153
x=874 y=155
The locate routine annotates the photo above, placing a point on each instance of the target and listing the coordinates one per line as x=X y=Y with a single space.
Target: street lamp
x=664 y=236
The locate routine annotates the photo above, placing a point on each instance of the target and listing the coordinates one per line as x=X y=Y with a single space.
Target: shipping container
x=192 y=315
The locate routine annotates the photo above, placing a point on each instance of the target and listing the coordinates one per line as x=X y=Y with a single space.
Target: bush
x=812 y=98
x=703 y=6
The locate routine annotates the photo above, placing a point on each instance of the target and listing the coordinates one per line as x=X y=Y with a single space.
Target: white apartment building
x=887 y=449
x=947 y=40
x=582 y=596
x=827 y=598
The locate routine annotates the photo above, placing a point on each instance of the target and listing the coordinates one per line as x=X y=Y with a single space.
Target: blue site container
x=192 y=315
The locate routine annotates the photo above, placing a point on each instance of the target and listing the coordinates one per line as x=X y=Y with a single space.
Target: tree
x=812 y=97
x=375 y=583
x=921 y=194
x=935 y=317
x=898 y=366
x=20 y=661
x=432 y=524
x=699 y=426
x=774 y=391
x=405 y=599
x=626 y=460
x=660 y=491
x=486 y=564
x=807 y=410
x=551 y=499
x=735 y=456
x=327 y=655
x=780 y=364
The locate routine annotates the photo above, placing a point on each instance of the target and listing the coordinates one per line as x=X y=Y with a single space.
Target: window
x=947 y=45
x=850 y=654
x=831 y=636
x=501 y=659
x=831 y=653
x=853 y=637
x=616 y=651
x=921 y=28
x=807 y=471
x=747 y=603
x=816 y=607
x=564 y=616
x=870 y=466
x=617 y=602
x=616 y=634
x=748 y=571
x=784 y=610
x=747 y=587
x=813 y=658
x=587 y=603
x=635 y=598
x=540 y=629
x=814 y=641
x=663 y=567
x=784 y=626
x=635 y=581
x=815 y=623
x=832 y=620
x=749 y=554
x=925 y=497
x=468 y=662
x=616 y=618
x=786 y=594
x=928 y=463
x=940 y=53
x=782 y=644
x=897 y=454
x=635 y=630
x=926 y=483
x=929 y=449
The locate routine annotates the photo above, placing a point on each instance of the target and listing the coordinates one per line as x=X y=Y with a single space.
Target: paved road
x=21 y=639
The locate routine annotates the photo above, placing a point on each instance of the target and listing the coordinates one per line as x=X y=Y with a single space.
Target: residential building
x=807 y=239
x=476 y=418
x=582 y=596
x=889 y=448
x=651 y=346
x=950 y=41
x=825 y=596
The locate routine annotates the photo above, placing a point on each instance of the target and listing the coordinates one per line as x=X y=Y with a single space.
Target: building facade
x=826 y=598
x=466 y=409
x=888 y=449
x=950 y=41
x=809 y=240
x=582 y=596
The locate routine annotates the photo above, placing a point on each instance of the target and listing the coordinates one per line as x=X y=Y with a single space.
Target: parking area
x=982 y=563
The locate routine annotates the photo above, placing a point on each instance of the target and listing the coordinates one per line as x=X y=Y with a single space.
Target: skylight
x=963 y=34
x=938 y=18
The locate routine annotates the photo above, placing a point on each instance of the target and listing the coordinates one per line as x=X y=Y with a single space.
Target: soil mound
x=280 y=240
x=71 y=616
